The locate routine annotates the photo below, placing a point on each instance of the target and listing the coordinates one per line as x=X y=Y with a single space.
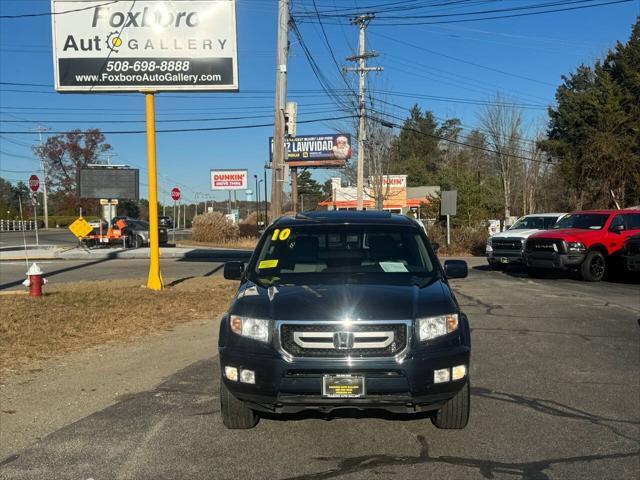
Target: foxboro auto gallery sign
x=144 y=45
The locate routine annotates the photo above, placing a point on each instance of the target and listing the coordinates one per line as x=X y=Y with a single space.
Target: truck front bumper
x=554 y=260
x=293 y=386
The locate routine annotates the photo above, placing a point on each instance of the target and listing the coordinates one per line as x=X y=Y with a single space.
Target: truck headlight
x=575 y=247
x=255 y=328
x=433 y=327
x=489 y=247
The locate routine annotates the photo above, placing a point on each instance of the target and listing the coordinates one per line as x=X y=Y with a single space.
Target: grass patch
x=75 y=316
x=245 y=243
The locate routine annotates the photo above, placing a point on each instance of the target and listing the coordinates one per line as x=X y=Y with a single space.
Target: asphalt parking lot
x=555 y=395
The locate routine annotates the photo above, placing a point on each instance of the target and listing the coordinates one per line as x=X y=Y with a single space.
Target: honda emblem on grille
x=343 y=340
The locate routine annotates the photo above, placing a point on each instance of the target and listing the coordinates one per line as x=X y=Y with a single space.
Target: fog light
x=458 y=372
x=247 y=376
x=441 y=376
x=231 y=373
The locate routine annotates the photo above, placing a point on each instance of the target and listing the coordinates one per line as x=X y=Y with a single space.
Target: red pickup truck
x=584 y=241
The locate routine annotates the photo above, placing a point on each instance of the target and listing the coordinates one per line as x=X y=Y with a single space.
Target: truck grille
x=545 y=245
x=512 y=244
x=326 y=340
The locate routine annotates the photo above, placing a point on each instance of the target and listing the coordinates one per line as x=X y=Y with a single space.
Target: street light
x=257 y=200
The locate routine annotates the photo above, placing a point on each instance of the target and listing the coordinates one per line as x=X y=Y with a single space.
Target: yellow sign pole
x=154 y=281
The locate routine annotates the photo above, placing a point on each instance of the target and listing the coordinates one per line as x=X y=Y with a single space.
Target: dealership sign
x=144 y=45
x=317 y=150
x=229 y=180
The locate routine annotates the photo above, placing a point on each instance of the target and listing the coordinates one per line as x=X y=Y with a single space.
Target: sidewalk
x=75 y=253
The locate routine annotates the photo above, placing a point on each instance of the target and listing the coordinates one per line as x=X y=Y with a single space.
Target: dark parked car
x=166 y=222
x=344 y=310
x=137 y=232
x=631 y=254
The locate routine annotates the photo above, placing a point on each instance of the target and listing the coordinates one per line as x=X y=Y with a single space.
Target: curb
x=139 y=254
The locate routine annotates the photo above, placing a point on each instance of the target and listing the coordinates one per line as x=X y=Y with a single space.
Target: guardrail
x=17 y=225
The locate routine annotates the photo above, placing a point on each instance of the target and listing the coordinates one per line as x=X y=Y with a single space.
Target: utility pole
x=41 y=129
x=277 y=168
x=362 y=21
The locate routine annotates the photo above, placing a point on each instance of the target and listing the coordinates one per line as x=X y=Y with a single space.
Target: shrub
x=214 y=227
x=249 y=227
x=464 y=240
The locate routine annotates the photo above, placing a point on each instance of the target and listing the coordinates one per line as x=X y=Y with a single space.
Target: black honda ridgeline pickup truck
x=344 y=310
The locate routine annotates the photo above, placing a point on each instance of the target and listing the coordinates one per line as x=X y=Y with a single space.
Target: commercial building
x=397 y=197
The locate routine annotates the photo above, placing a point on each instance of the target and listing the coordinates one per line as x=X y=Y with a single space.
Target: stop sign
x=175 y=194
x=34 y=183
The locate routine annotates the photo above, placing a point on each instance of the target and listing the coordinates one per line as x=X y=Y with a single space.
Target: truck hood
x=570 y=234
x=340 y=301
x=516 y=233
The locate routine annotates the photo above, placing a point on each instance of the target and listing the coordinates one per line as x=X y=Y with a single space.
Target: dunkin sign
x=229 y=180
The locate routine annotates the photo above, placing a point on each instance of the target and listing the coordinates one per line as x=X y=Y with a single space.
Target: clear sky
x=445 y=67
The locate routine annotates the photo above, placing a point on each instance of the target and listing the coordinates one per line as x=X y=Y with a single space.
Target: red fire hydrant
x=34 y=281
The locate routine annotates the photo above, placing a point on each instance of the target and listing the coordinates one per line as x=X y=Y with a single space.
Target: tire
x=455 y=413
x=594 y=267
x=235 y=414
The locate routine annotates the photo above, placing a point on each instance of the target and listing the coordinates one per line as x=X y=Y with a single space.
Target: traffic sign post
x=34 y=185
x=175 y=195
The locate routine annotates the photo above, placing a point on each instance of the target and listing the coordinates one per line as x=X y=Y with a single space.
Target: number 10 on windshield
x=280 y=234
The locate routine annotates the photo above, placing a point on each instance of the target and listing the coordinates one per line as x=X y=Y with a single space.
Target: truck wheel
x=455 y=413
x=235 y=414
x=593 y=267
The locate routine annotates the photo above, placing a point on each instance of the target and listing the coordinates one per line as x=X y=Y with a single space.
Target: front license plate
x=504 y=260
x=343 y=386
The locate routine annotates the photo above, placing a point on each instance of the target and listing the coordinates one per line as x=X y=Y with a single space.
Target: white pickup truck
x=508 y=247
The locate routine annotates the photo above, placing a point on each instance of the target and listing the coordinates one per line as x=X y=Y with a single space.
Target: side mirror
x=617 y=228
x=456 y=269
x=233 y=270
x=435 y=246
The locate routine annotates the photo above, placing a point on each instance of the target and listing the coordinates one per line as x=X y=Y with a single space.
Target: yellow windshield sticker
x=264 y=264
x=280 y=234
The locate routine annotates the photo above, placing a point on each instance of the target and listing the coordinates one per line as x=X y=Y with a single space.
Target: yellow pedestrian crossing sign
x=80 y=228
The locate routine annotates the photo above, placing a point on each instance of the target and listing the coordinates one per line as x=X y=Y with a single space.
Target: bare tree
x=534 y=170
x=379 y=154
x=502 y=124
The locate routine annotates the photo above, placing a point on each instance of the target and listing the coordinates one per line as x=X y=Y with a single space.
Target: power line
x=181 y=130
x=414 y=19
x=449 y=140
x=461 y=60
x=173 y=120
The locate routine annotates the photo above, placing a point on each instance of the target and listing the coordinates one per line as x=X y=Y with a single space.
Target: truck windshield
x=318 y=253
x=534 y=223
x=589 y=221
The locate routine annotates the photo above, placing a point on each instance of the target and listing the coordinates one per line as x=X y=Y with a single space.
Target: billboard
x=108 y=182
x=316 y=150
x=229 y=180
x=154 y=45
